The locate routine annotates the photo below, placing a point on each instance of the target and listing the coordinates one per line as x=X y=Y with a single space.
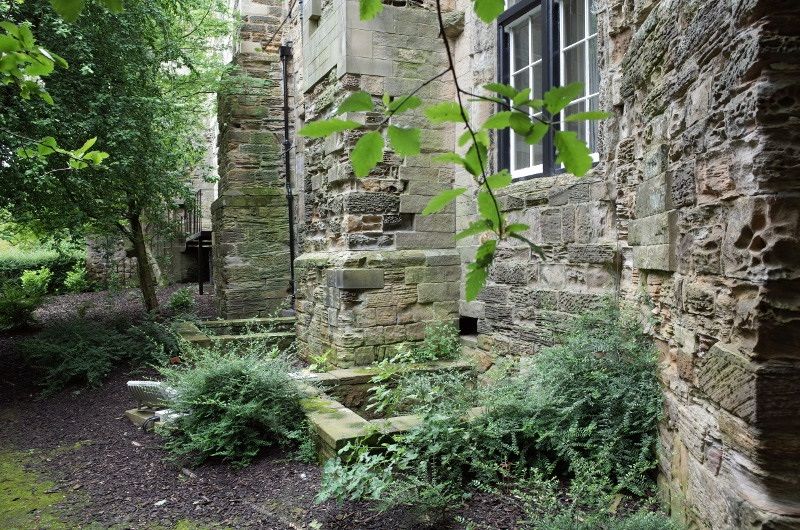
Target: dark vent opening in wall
x=467 y=326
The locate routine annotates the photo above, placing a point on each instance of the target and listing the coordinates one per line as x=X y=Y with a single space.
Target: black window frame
x=550 y=68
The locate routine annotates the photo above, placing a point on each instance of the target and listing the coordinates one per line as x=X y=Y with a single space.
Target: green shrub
x=441 y=342
x=35 y=282
x=17 y=306
x=182 y=301
x=77 y=280
x=588 y=408
x=85 y=352
x=14 y=261
x=234 y=406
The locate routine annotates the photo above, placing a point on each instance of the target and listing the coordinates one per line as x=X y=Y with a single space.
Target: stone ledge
x=355 y=279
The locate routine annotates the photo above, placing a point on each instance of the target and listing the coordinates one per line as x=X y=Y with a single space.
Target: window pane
x=520 y=45
x=521 y=80
x=522 y=156
x=592 y=126
x=592 y=20
x=536 y=34
x=594 y=72
x=574 y=17
x=537 y=155
x=537 y=81
x=574 y=65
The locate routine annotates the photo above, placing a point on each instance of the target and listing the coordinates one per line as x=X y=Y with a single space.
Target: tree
x=139 y=80
x=515 y=106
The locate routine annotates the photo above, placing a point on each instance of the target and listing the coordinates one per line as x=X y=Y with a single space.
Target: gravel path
x=115 y=474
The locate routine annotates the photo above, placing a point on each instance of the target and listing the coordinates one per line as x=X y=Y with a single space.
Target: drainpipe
x=286 y=54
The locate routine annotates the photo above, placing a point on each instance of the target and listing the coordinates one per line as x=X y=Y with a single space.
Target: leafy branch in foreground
x=529 y=118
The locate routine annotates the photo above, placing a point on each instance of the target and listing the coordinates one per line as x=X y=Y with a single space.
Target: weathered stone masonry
x=691 y=215
x=250 y=217
x=374 y=272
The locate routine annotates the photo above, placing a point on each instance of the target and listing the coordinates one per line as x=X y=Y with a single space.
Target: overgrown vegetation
x=19 y=299
x=182 y=301
x=232 y=406
x=85 y=352
x=585 y=411
x=15 y=260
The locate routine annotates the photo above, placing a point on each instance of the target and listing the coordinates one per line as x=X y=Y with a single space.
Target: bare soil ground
x=109 y=474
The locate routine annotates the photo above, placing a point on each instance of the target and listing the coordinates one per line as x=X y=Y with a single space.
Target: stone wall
x=692 y=215
x=374 y=271
x=250 y=217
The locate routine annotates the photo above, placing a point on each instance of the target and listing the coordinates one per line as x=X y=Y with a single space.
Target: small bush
x=234 y=406
x=17 y=306
x=85 y=352
x=77 y=280
x=182 y=301
x=441 y=342
x=35 y=282
x=82 y=352
x=14 y=261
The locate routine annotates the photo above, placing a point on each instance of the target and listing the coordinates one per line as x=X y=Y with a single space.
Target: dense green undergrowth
x=569 y=433
x=84 y=352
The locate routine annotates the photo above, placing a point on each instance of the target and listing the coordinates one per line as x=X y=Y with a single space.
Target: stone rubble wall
x=250 y=216
x=692 y=215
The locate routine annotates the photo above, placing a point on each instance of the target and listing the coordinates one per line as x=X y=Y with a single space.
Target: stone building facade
x=691 y=214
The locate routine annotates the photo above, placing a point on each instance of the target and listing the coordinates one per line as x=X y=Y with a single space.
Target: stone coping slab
x=363 y=374
x=336 y=425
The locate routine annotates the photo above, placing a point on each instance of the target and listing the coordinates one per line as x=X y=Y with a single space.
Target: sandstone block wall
x=692 y=216
x=250 y=217
x=374 y=271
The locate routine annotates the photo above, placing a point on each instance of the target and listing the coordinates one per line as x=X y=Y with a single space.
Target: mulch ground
x=114 y=474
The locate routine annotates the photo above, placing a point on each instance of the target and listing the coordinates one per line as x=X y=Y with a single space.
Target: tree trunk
x=147 y=280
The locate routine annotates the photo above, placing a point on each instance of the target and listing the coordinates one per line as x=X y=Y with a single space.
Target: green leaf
x=448 y=111
x=11 y=28
x=475 y=159
x=520 y=122
x=591 y=115
x=474 y=282
x=369 y=9
x=499 y=180
x=355 y=102
x=558 y=98
x=115 y=6
x=522 y=97
x=488 y=10
x=8 y=44
x=500 y=120
x=68 y=9
x=403 y=103
x=502 y=89
x=485 y=253
x=320 y=128
x=573 y=153
x=478 y=227
x=451 y=158
x=513 y=228
x=488 y=209
x=538 y=131
x=86 y=146
x=26 y=35
x=481 y=136
x=404 y=140
x=367 y=153
x=437 y=203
